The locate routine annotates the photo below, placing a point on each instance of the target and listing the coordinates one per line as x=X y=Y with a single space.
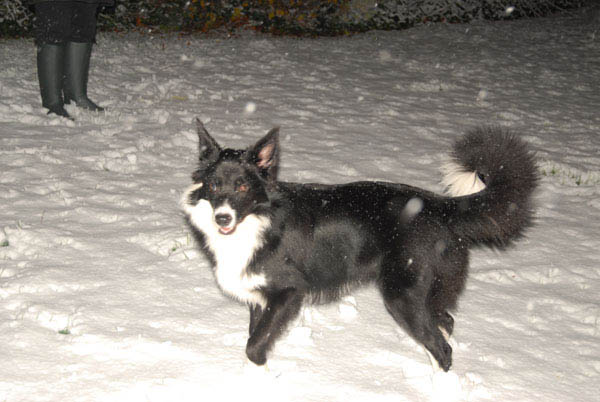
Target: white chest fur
x=232 y=252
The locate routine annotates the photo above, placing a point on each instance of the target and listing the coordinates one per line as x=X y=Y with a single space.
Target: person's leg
x=77 y=56
x=50 y=30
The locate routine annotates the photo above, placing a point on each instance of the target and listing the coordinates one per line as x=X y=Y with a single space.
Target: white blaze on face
x=225 y=218
x=232 y=251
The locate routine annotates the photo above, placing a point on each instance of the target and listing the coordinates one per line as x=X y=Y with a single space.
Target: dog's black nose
x=223 y=220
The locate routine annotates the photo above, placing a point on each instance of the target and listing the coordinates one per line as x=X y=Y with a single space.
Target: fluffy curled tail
x=492 y=177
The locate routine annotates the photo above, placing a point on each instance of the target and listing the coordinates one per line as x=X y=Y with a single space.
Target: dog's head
x=232 y=183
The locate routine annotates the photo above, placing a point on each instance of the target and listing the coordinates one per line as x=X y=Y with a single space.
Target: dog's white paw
x=256 y=371
x=446 y=387
x=347 y=308
x=300 y=336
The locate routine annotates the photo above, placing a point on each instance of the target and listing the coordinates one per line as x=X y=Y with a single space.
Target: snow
x=104 y=296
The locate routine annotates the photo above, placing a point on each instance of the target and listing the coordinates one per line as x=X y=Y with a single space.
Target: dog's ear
x=265 y=154
x=208 y=148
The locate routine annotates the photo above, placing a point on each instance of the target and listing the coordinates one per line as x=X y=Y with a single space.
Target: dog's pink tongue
x=226 y=230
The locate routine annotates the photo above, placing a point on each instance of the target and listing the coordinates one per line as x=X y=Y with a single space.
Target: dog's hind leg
x=410 y=308
x=448 y=284
x=446 y=324
x=268 y=323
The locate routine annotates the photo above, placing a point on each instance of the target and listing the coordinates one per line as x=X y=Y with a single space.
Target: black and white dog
x=275 y=245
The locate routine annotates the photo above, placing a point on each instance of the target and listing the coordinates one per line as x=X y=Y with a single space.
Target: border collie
x=275 y=245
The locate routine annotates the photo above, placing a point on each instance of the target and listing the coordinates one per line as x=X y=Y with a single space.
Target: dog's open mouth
x=227 y=230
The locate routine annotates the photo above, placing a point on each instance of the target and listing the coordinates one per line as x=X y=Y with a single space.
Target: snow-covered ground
x=103 y=295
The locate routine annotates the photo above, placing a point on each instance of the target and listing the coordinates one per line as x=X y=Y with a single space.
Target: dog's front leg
x=256 y=312
x=266 y=325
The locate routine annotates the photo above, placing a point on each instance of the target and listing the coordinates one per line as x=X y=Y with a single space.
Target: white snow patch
x=104 y=297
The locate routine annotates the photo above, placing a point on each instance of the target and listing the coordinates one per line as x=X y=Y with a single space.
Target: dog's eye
x=243 y=187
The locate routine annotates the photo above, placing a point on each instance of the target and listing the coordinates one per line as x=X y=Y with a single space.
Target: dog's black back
x=275 y=245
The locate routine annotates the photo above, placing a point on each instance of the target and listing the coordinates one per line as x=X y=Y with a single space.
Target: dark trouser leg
x=77 y=65
x=51 y=27
x=50 y=76
x=78 y=54
x=73 y=26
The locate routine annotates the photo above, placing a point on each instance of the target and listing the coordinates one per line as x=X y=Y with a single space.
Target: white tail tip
x=459 y=182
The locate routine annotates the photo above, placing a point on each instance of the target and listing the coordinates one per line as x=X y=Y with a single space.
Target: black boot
x=50 y=75
x=77 y=65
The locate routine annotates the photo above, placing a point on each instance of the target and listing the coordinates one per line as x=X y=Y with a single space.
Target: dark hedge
x=290 y=17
